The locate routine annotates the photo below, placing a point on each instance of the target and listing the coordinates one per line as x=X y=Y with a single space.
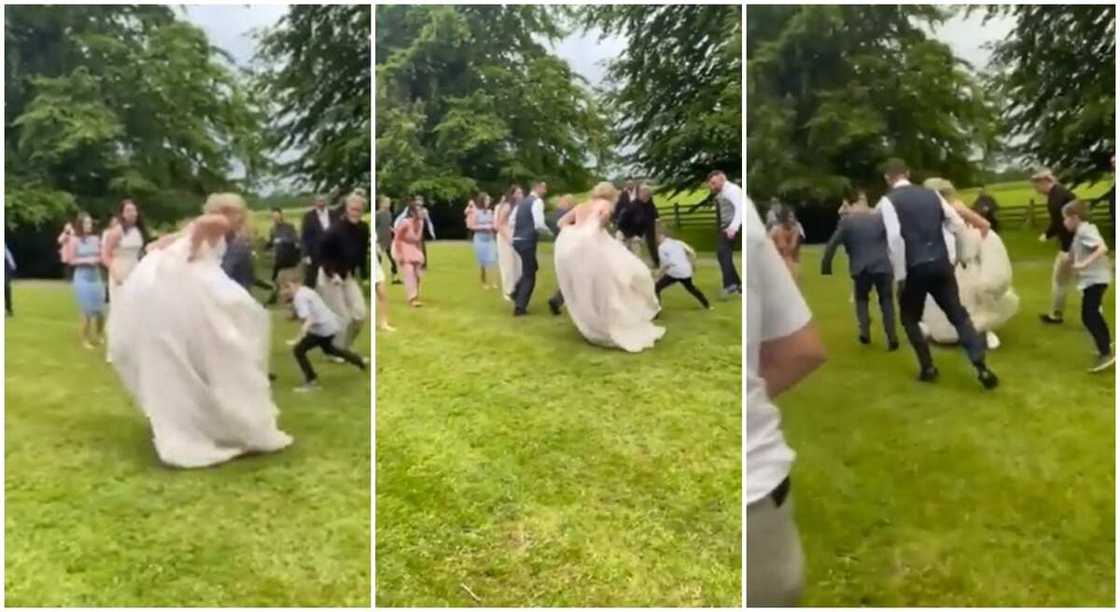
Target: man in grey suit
x=865 y=240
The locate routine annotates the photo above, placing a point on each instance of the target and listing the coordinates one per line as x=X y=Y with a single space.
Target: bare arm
x=1097 y=253
x=784 y=362
x=208 y=229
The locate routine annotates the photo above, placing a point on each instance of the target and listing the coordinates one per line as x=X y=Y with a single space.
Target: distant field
x=1019 y=193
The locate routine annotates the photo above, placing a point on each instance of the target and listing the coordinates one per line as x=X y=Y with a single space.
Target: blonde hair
x=1076 y=208
x=942 y=186
x=357 y=196
x=224 y=204
x=605 y=191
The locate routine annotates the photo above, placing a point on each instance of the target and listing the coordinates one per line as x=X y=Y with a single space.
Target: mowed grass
x=518 y=465
x=1018 y=193
x=94 y=519
x=911 y=494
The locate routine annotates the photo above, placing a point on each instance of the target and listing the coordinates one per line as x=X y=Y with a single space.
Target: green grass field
x=93 y=519
x=517 y=465
x=911 y=494
x=1018 y=193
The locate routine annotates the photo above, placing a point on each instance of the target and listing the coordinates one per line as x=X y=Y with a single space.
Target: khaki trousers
x=774 y=558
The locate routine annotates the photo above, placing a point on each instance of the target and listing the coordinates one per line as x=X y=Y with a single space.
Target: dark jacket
x=237 y=262
x=345 y=248
x=1058 y=197
x=285 y=244
x=311 y=231
x=865 y=240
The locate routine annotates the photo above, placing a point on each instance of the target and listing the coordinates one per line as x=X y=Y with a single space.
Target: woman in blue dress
x=481 y=222
x=83 y=254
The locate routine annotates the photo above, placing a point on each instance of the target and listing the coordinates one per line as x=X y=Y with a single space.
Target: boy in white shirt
x=320 y=325
x=676 y=259
x=1094 y=273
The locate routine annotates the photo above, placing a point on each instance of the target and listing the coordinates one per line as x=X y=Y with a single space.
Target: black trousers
x=8 y=293
x=557 y=298
x=326 y=343
x=937 y=280
x=389 y=255
x=311 y=274
x=424 y=251
x=726 y=258
x=523 y=292
x=1092 y=318
x=667 y=280
x=649 y=234
x=884 y=288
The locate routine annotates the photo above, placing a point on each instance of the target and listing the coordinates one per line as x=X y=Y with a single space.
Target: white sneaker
x=307 y=387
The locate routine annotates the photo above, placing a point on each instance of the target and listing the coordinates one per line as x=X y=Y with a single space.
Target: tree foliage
x=315 y=75
x=1056 y=78
x=104 y=102
x=676 y=91
x=469 y=97
x=835 y=90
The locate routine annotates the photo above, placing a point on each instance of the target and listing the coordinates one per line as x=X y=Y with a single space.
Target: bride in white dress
x=191 y=346
x=607 y=290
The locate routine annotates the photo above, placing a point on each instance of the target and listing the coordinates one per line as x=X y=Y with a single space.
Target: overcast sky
x=587 y=55
x=969 y=37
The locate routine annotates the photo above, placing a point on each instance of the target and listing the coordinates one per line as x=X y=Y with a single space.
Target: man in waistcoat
x=729 y=216
x=915 y=219
x=528 y=225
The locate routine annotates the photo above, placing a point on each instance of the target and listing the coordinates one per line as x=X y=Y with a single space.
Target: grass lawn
x=911 y=494
x=518 y=465
x=93 y=519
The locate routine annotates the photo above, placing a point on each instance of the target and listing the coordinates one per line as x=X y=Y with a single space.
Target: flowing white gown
x=984 y=282
x=191 y=346
x=509 y=263
x=608 y=291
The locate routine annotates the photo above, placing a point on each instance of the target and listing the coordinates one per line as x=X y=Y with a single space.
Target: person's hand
x=307 y=261
x=1042 y=237
x=336 y=279
x=729 y=233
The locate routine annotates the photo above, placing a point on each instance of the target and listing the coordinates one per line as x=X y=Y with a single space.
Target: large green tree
x=1056 y=78
x=104 y=102
x=835 y=90
x=469 y=97
x=676 y=90
x=315 y=74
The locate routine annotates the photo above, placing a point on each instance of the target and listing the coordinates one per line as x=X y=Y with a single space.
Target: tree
x=104 y=102
x=315 y=73
x=469 y=98
x=1055 y=75
x=677 y=88
x=836 y=90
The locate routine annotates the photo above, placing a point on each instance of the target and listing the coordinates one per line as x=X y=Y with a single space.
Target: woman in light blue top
x=485 y=245
x=83 y=254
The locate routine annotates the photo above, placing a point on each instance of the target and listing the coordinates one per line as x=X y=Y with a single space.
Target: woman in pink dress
x=407 y=252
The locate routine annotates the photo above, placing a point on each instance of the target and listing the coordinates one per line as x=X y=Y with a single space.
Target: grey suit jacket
x=865 y=239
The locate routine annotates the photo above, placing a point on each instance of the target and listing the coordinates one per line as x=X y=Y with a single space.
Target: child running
x=676 y=259
x=1090 y=264
x=320 y=325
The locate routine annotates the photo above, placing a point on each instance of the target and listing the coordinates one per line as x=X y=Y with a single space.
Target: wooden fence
x=1033 y=214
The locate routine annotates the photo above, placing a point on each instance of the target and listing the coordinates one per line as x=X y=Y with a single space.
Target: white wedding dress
x=608 y=291
x=984 y=275
x=191 y=346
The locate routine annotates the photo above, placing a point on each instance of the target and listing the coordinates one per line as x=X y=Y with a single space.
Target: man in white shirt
x=916 y=219
x=529 y=225
x=315 y=224
x=782 y=349
x=729 y=215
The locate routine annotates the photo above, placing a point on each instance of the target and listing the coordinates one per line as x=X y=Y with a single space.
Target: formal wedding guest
x=408 y=235
x=315 y=223
x=554 y=221
x=864 y=237
x=1094 y=273
x=638 y=223
x=783 y=348
x=383 y=225
x=191 y=346
x=916 y=218
x=529 y=225
x=428 y=226
x=728 y=199
x=1061 y=275
x=987 y=207
x=62 y=240
x=483 y=225
x=319 y=327
x=343 y=253
x=123 y=246
x=284 y=241
x=83 y=253
x=509 y=263
x=787 y=240
x=9 y=272
x=676 y=260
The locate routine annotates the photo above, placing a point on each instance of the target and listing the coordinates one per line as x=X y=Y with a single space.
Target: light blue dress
x=89 y=291
x=485 y=247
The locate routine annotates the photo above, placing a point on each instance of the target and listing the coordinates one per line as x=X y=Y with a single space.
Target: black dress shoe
x=864 y=340
x=892 y=345
x=554 y=307
x=987 y=377
x=517 y=312
x=1051 y=319
x=271 y=377
x=928 y=374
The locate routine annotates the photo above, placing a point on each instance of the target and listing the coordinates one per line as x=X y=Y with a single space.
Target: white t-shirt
x=310 y=306
x=674 y=258
x=775 y=309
